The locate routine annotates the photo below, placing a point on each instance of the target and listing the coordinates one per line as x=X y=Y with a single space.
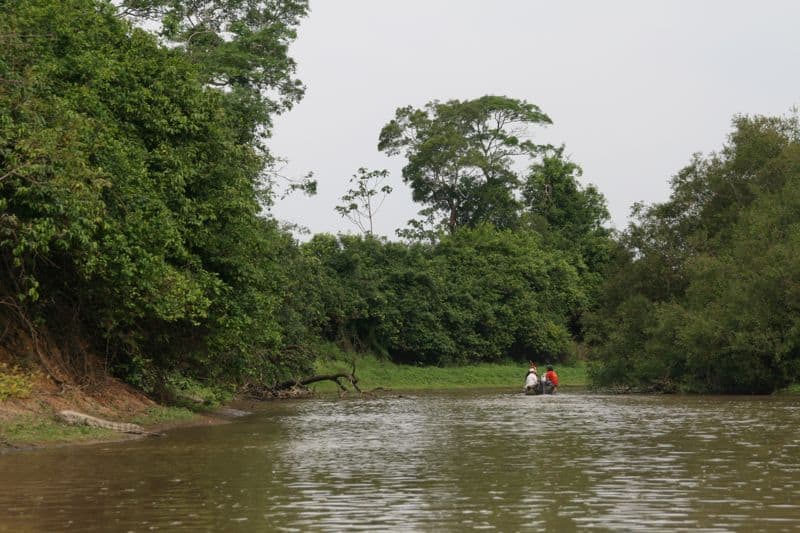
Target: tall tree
x=128 y=202
x=462 y=157
x=703 y=293
x=242 y=48
x=239 y=44
x=553 y=196
x=363 y=202
x=571 y=217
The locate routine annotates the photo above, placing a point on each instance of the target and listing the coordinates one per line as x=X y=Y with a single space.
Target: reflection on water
x=433 y=462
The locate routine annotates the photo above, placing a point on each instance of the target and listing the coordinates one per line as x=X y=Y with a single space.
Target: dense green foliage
x=129 y=197
x=462 y=157
x=241 y=45
x=704 y=290
x=479 y=295
x=134 y=172
x=132 y=184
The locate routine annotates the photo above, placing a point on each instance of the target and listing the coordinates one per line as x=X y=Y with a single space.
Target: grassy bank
x=374 y=372
x=28 y=414
x=43 y=428
x=36 y=430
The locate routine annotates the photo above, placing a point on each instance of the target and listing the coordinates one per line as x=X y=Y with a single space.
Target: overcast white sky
x=633 y=87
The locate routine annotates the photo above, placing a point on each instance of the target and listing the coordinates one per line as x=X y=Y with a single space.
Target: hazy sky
x=633 y=87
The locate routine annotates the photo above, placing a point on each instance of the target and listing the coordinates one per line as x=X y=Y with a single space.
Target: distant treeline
x=133 y=180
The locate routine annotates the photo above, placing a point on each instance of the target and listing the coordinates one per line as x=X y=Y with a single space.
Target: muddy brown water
x=433 y=462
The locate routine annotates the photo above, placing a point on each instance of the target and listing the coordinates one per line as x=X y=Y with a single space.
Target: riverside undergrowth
x=375 y=372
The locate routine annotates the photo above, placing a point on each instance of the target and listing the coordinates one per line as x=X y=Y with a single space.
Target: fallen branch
x=322 y=377
x=294 y=385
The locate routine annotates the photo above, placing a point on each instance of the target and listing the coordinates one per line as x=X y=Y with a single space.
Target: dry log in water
x=321 y=377
x=298 y=387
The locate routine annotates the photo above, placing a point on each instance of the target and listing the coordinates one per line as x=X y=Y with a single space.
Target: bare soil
x=56 y=386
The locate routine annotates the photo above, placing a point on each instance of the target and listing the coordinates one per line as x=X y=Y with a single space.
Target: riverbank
x=380 y=373
x=29 y=416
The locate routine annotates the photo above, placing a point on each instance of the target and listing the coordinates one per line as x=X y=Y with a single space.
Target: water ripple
x=435 y=462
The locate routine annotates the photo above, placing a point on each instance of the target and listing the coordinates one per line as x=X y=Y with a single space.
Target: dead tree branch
x=292 y=386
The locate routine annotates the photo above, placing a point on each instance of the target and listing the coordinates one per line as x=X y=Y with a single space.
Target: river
x=493 y=460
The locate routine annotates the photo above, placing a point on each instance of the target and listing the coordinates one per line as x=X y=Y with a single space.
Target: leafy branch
x=362 y=202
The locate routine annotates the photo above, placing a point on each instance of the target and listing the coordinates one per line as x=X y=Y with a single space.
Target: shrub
x=14 y=383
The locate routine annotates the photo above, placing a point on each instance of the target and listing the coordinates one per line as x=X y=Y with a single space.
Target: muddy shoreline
x=33 y=423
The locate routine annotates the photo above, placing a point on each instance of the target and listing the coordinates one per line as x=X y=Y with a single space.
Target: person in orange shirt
x=551 y=379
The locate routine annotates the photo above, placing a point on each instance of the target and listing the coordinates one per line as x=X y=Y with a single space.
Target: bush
x=14 y=383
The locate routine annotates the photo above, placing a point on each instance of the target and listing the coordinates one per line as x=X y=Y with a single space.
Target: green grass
x=32 y=430
x=162 y=414
x=197 y=396
x=791 y=389
x=28 y=430
x=373 y=372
